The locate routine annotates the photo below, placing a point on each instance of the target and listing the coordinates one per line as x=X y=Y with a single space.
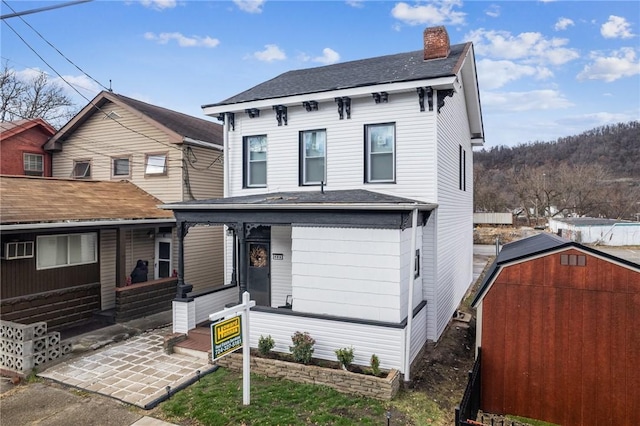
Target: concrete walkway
x=136 y=371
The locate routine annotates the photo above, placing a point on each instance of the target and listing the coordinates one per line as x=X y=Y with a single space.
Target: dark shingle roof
x=183 y=124
x=530 y=247
x=365 y=72
x=350 y=196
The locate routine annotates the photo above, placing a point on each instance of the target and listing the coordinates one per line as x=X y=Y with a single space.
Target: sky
x=546 y=69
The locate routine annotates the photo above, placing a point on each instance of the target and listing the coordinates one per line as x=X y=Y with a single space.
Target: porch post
x=121 y=257
x=183 y=288
x=242 y=257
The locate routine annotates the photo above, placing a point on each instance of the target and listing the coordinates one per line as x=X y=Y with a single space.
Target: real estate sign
x=226 y=337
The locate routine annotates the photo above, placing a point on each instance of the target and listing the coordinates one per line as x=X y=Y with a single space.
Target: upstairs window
x=82 y=169
x=33 y=164
x=462 y=169
x=255 y=161
x=121 y=167
x=155 y=165
x=313 y=154
x=380 y=148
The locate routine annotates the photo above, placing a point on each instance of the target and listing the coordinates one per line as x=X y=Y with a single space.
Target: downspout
x=412 y=276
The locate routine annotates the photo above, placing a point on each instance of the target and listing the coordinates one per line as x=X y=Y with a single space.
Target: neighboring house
x=172 y=156
x=590 y=230
x=65 y=241
x=557 y=325
x=21 y=147
x=348 y=190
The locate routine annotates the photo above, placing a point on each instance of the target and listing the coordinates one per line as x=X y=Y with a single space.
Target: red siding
x=561 y=343
x=29 y=141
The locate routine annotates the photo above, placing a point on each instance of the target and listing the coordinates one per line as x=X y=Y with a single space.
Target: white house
x=591 y=230
x=348 y=193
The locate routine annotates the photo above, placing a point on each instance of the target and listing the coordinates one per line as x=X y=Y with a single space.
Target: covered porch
x=344 y=266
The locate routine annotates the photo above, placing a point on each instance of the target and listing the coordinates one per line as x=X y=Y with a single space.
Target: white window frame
x=304 y=157
x=86 y=174
x=113 y=167
x=28 y=160
x=92 y=251
x=249 y=162
x=369 y=152
x=151 y=169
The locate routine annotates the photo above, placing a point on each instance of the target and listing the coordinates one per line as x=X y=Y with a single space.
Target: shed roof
x=530 y=247
x=31 y=200
x=364 y=72
x=591 y=221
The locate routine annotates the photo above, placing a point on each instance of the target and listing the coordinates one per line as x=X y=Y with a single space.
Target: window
x=416 y=265
x=121 y=167
x=155 y=164
x=33 y=164
x=313 y=153
x=82 y=169
x=380 y=153
x=18 y=250
x=462 y=169
x=255 y=161
x=55 y=251
x=573 y=260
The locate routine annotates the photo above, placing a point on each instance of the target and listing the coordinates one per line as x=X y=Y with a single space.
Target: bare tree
x=33 y=98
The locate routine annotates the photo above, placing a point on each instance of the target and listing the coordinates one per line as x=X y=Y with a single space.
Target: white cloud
x=616 y=27
x=435 y=13
x=525 y=101
x=250 y=6
x=529 y=47
x=563 y=24
x=621 y=63
x=597 y=119
x=329 y=56
x=493 y=11
x=159 y=4
x=355 y=3
x=183 y=41
x=495 y=74
x=271 y=53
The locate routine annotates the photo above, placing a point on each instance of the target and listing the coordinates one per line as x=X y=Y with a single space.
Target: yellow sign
x=226 y=336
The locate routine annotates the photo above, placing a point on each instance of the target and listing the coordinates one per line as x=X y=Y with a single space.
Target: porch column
x=242 y=257
x=183 y=288
x=121 y=258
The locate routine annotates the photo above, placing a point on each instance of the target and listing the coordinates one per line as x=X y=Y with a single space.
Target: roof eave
x=84 y=224
x=303 y=206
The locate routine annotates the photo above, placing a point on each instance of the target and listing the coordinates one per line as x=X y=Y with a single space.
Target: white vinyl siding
x=455 y=212
x=203 y=257
x=280 y=268
x=347 y=272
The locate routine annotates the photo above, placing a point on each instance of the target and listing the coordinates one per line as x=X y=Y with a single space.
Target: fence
x=467 y=411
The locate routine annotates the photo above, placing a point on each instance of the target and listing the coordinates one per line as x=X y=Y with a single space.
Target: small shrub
x=302 y=349
x=375 y=365
x=345 y=357
x=265 y=344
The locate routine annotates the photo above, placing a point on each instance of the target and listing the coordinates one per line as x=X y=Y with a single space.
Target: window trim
x=165 y=170
x=87 y=174
x=29 y=171
x=368 y=153
x=246 y=162
x=113 y=167
x=417 y=266
x=39 y=238
x=302 y=159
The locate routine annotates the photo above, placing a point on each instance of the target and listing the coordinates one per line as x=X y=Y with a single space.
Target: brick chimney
x=436 y=43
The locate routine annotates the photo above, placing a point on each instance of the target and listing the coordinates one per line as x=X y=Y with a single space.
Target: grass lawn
x=216 y=400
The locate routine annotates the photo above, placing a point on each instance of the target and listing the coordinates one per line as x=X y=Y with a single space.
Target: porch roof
x=350 y=199
x=35 y=202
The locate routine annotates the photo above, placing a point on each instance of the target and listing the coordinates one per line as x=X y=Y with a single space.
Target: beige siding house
x=170 y=155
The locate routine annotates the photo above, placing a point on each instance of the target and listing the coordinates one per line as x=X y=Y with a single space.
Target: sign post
x=231 y=333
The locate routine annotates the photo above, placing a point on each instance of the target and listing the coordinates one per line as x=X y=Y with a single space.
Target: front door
x=258 y=272
x=162 y=264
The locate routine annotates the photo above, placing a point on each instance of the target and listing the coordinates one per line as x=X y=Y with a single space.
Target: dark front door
x=258 y=274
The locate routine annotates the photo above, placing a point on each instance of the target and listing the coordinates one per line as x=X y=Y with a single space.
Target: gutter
x=201 y=143
x=56 y=225
x=303 y=206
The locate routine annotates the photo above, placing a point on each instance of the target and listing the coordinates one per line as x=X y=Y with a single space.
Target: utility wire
x=42 y=9
x=56 y=49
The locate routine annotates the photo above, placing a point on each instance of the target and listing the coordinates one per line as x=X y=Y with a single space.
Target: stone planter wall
x=343 y=381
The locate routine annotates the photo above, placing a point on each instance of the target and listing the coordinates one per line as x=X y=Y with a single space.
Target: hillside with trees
x=595 y=173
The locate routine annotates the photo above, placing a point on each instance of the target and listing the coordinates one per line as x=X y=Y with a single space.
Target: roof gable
x=180 y=127
x=12 y=128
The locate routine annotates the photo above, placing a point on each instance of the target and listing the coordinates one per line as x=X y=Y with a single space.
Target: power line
x=42 y=9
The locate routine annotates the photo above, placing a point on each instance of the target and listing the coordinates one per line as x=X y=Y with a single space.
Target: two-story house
x=169 y=155
x=348 y=192
x=21 y=147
